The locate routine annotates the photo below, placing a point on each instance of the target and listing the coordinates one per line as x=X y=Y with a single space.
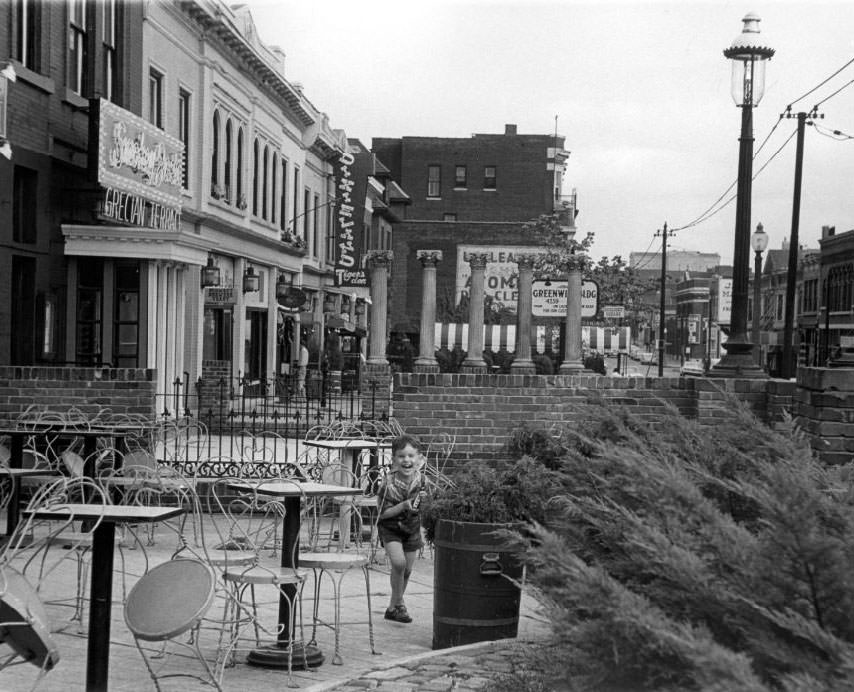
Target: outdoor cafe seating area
x=111 y=547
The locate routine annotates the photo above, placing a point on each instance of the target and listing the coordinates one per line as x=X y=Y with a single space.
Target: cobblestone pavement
x=473 y=667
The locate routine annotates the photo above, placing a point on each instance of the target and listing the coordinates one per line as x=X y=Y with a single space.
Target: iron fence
x=221 y=427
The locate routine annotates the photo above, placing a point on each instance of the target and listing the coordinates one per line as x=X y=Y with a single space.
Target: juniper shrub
x=690 y=557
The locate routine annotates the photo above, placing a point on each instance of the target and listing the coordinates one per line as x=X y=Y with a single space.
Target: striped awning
x=547 y=337
x=495 y=336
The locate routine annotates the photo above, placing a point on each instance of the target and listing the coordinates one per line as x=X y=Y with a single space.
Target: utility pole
x=792 y=274
x=664 y=234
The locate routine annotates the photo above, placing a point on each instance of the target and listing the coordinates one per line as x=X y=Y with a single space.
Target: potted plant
x=469 y=521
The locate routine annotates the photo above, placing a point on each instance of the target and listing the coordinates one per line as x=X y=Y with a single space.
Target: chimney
x=510 y=129
x=828 y=231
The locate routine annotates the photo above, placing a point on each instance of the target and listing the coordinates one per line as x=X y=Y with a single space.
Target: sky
x=641 y=92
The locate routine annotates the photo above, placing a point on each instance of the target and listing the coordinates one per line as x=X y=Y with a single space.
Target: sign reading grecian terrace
x=141 y=168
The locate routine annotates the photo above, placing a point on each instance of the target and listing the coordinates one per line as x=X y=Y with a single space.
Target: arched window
x=274 y=166
x=241 y=194
x=266 y=177
x=229 y=192
x=255 y=178
x=215 y=154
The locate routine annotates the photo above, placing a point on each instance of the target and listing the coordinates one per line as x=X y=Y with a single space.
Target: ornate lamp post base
x=738 y=361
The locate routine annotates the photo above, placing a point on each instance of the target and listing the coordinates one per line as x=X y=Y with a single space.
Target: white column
x=272 y=323
x=160 y=336
x=171 y=326
x=572 y=336
x=180 y=319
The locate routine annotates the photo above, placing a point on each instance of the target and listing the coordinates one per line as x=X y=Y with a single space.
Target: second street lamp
x=748 y=57
x=759 y=242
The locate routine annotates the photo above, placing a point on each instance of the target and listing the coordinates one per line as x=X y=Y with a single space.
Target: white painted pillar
x=272 y=316
x=160 y=336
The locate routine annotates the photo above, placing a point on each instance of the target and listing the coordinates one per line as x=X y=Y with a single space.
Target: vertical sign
x=347 y=273
x=724 y=300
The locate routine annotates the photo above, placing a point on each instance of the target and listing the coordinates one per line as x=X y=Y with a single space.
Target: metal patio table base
x=276 y=656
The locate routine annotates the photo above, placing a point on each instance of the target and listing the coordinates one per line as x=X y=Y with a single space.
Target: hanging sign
x=293 y=299
x=347 y=270
x=140 y=167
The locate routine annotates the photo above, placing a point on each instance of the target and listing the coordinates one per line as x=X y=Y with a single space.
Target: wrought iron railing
x=222 y=427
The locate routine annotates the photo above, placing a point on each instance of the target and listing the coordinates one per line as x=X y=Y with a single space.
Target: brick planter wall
x=122 y=390
x=824 y=409
x=482 y=410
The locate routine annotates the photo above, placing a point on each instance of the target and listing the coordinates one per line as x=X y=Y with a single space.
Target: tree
x=562 y=249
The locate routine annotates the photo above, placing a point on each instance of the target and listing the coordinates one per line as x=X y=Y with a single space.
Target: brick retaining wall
x=122 y=390
x=482 y=410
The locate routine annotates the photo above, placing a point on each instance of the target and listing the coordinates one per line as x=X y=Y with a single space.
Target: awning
x=495 y=336
x=503 y=336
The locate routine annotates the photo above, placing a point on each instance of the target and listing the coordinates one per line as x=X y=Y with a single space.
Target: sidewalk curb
x=415 y=658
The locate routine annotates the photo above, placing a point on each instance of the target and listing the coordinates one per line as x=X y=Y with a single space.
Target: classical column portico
x=426 y=361
x=378 y=263
x=474 y=360
x=572 y=362
x=522 y=363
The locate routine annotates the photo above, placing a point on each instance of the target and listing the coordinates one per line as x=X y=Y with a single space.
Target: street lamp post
x=758 y=241
x=748 y=84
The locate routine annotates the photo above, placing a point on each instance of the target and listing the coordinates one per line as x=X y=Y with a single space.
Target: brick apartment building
x=469 y=195
x=62 y=54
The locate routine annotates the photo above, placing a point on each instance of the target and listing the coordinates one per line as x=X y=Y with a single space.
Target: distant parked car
x=648 y=358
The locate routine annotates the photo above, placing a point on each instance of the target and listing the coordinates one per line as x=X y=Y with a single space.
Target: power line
x=706 y=214
x=837 y=135
x=827 y=98
x=820 y=84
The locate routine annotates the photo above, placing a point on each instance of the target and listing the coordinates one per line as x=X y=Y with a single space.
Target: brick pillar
x=378 y=264
x=572 y=338
x=522 y=363
x=825 y=410
x=426 y=361
x=474 y=360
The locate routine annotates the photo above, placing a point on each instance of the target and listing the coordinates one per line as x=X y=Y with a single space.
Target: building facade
x=470 y=195
x=169 y=143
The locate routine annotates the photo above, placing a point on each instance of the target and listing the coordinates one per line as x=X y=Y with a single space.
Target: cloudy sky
x=641 y=92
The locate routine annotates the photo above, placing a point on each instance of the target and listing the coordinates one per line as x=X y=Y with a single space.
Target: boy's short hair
x=401 y=441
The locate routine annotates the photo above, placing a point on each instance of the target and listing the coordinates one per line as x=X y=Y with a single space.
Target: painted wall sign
x=500 y=274
x=548 y=299
x=347 y=271
x=139 y=160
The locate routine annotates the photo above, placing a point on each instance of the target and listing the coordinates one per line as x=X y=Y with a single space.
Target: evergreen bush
x=689 y=557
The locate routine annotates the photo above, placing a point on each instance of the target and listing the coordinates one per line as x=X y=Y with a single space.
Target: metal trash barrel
x=473 y=600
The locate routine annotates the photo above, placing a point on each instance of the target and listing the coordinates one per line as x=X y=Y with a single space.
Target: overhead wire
x=820 y=84
x=836 y=135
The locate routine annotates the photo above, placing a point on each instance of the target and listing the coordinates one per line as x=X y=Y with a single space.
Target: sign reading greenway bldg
x=141 y=168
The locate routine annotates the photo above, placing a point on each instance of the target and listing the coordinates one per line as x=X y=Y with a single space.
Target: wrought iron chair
x=167 y=602
x=24 y=624
x=338 y=511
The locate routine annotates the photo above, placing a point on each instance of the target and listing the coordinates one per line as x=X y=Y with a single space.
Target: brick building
x=469 y=195
x=62 y=54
